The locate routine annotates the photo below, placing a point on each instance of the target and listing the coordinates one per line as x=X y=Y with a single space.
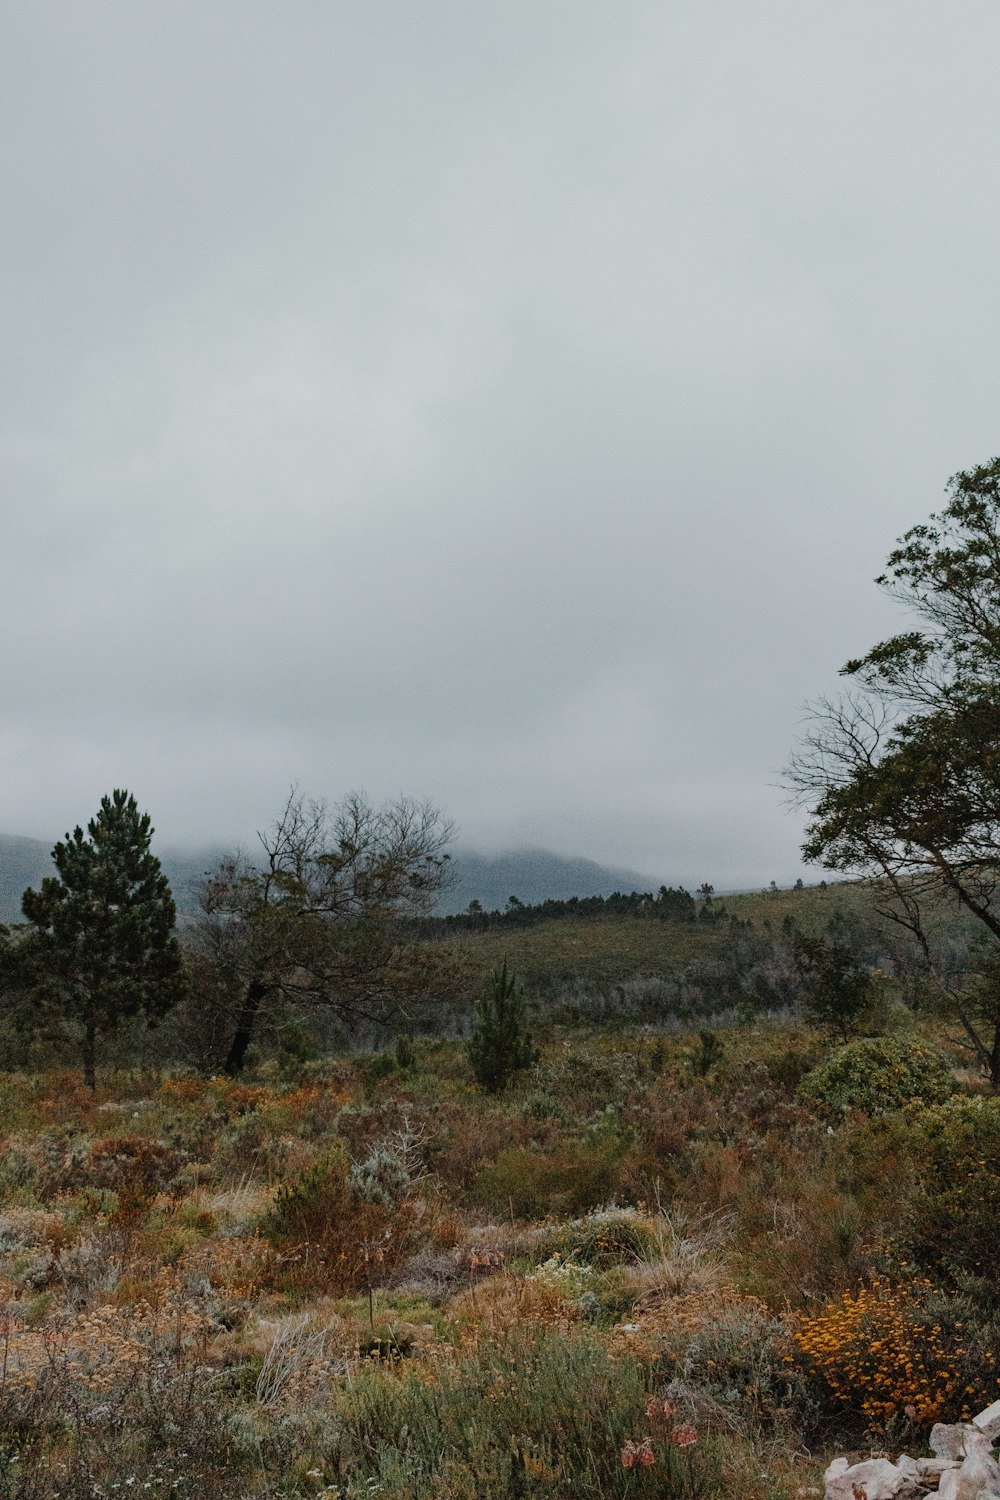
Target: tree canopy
x=902 y=776
x=318 y=920
x=99 y=943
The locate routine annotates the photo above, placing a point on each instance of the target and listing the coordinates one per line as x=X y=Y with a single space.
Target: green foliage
x=310 y=1204
x=380 y=1178
x=610 y=1237
x=100 y=942
x=578 y=1175
x=877 y=1075
x=839 y=991
x=956 y=1210
x=296 y=1048
x=708 y=1054
x=406 y=1053
x=559 y=1429
x=500 y=1045
x=903 y=776
x=380 y=1065
x=739 y=1358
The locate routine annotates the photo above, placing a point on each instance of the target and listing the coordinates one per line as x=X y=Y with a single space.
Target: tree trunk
x=88 y=1047
x=247 y=1019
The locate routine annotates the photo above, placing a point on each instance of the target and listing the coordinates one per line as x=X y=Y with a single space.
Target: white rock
x=988 y=1421
x=838 y=1467
x=947 y=1439
x=876 y=1479
x=979 y=1475
x=932 y=1468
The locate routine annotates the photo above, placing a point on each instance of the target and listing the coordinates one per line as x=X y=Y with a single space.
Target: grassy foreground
x=646 y=1269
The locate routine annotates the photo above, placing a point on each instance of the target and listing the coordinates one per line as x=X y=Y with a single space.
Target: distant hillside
x=532 y=875
x=25 y=862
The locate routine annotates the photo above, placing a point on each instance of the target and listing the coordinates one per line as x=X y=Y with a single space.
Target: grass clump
x=533 y=1413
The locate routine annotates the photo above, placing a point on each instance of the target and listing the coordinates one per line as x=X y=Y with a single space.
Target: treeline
x=667 y=905
x=285 y=951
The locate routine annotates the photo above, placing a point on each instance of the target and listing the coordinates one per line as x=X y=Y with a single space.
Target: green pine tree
x=500 y=1045
x=100 y=943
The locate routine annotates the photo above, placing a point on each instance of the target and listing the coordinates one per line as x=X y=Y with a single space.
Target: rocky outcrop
x=963 y=1467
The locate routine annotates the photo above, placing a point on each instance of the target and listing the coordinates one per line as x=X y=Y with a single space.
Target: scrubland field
x=694 y=1250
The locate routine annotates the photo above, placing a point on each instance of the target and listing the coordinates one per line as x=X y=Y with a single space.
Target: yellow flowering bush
x=880 y=1354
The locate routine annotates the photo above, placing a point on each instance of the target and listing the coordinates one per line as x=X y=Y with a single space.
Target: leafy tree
x=500 y=1045
x=902 y=776
x=319 y=922
x=839 y=991
x=99 y=944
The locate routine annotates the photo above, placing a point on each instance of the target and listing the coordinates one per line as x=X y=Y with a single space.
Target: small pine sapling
x=708 y=1054
x=500 y=1045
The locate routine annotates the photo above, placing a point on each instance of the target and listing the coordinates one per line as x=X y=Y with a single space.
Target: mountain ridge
x=529 y=873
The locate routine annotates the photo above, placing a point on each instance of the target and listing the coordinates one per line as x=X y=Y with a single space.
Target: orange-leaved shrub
x=891 y=1354
x=329 y=1240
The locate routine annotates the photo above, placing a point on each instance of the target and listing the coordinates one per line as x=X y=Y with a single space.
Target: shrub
x=565 y=1275
x=583 y=1080
x=467 y=1139
x=956 y=1209
x=377 y=1067
x=328 y=1238
x=309 y=1204
x=877 y=1075
x=381 y=1178
x=406 y=1053
x=708 y=1054
x=886 y=1354
x=609 y=1237
x=576 y=1176
x=738 y=1358
x=133 y=1162
x=840 y=992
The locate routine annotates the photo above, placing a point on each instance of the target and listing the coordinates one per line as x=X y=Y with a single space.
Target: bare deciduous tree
x=319 y=920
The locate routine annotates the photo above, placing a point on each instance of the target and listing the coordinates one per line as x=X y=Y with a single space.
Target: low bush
x=330 y=1240
x=955 y=1213
x=877 y=1075
x=606 y=1238
x=738 y=1359
x=577 y=1175
x=381 y=1178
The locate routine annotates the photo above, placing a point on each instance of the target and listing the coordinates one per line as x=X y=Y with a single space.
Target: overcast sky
x=506 y=403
